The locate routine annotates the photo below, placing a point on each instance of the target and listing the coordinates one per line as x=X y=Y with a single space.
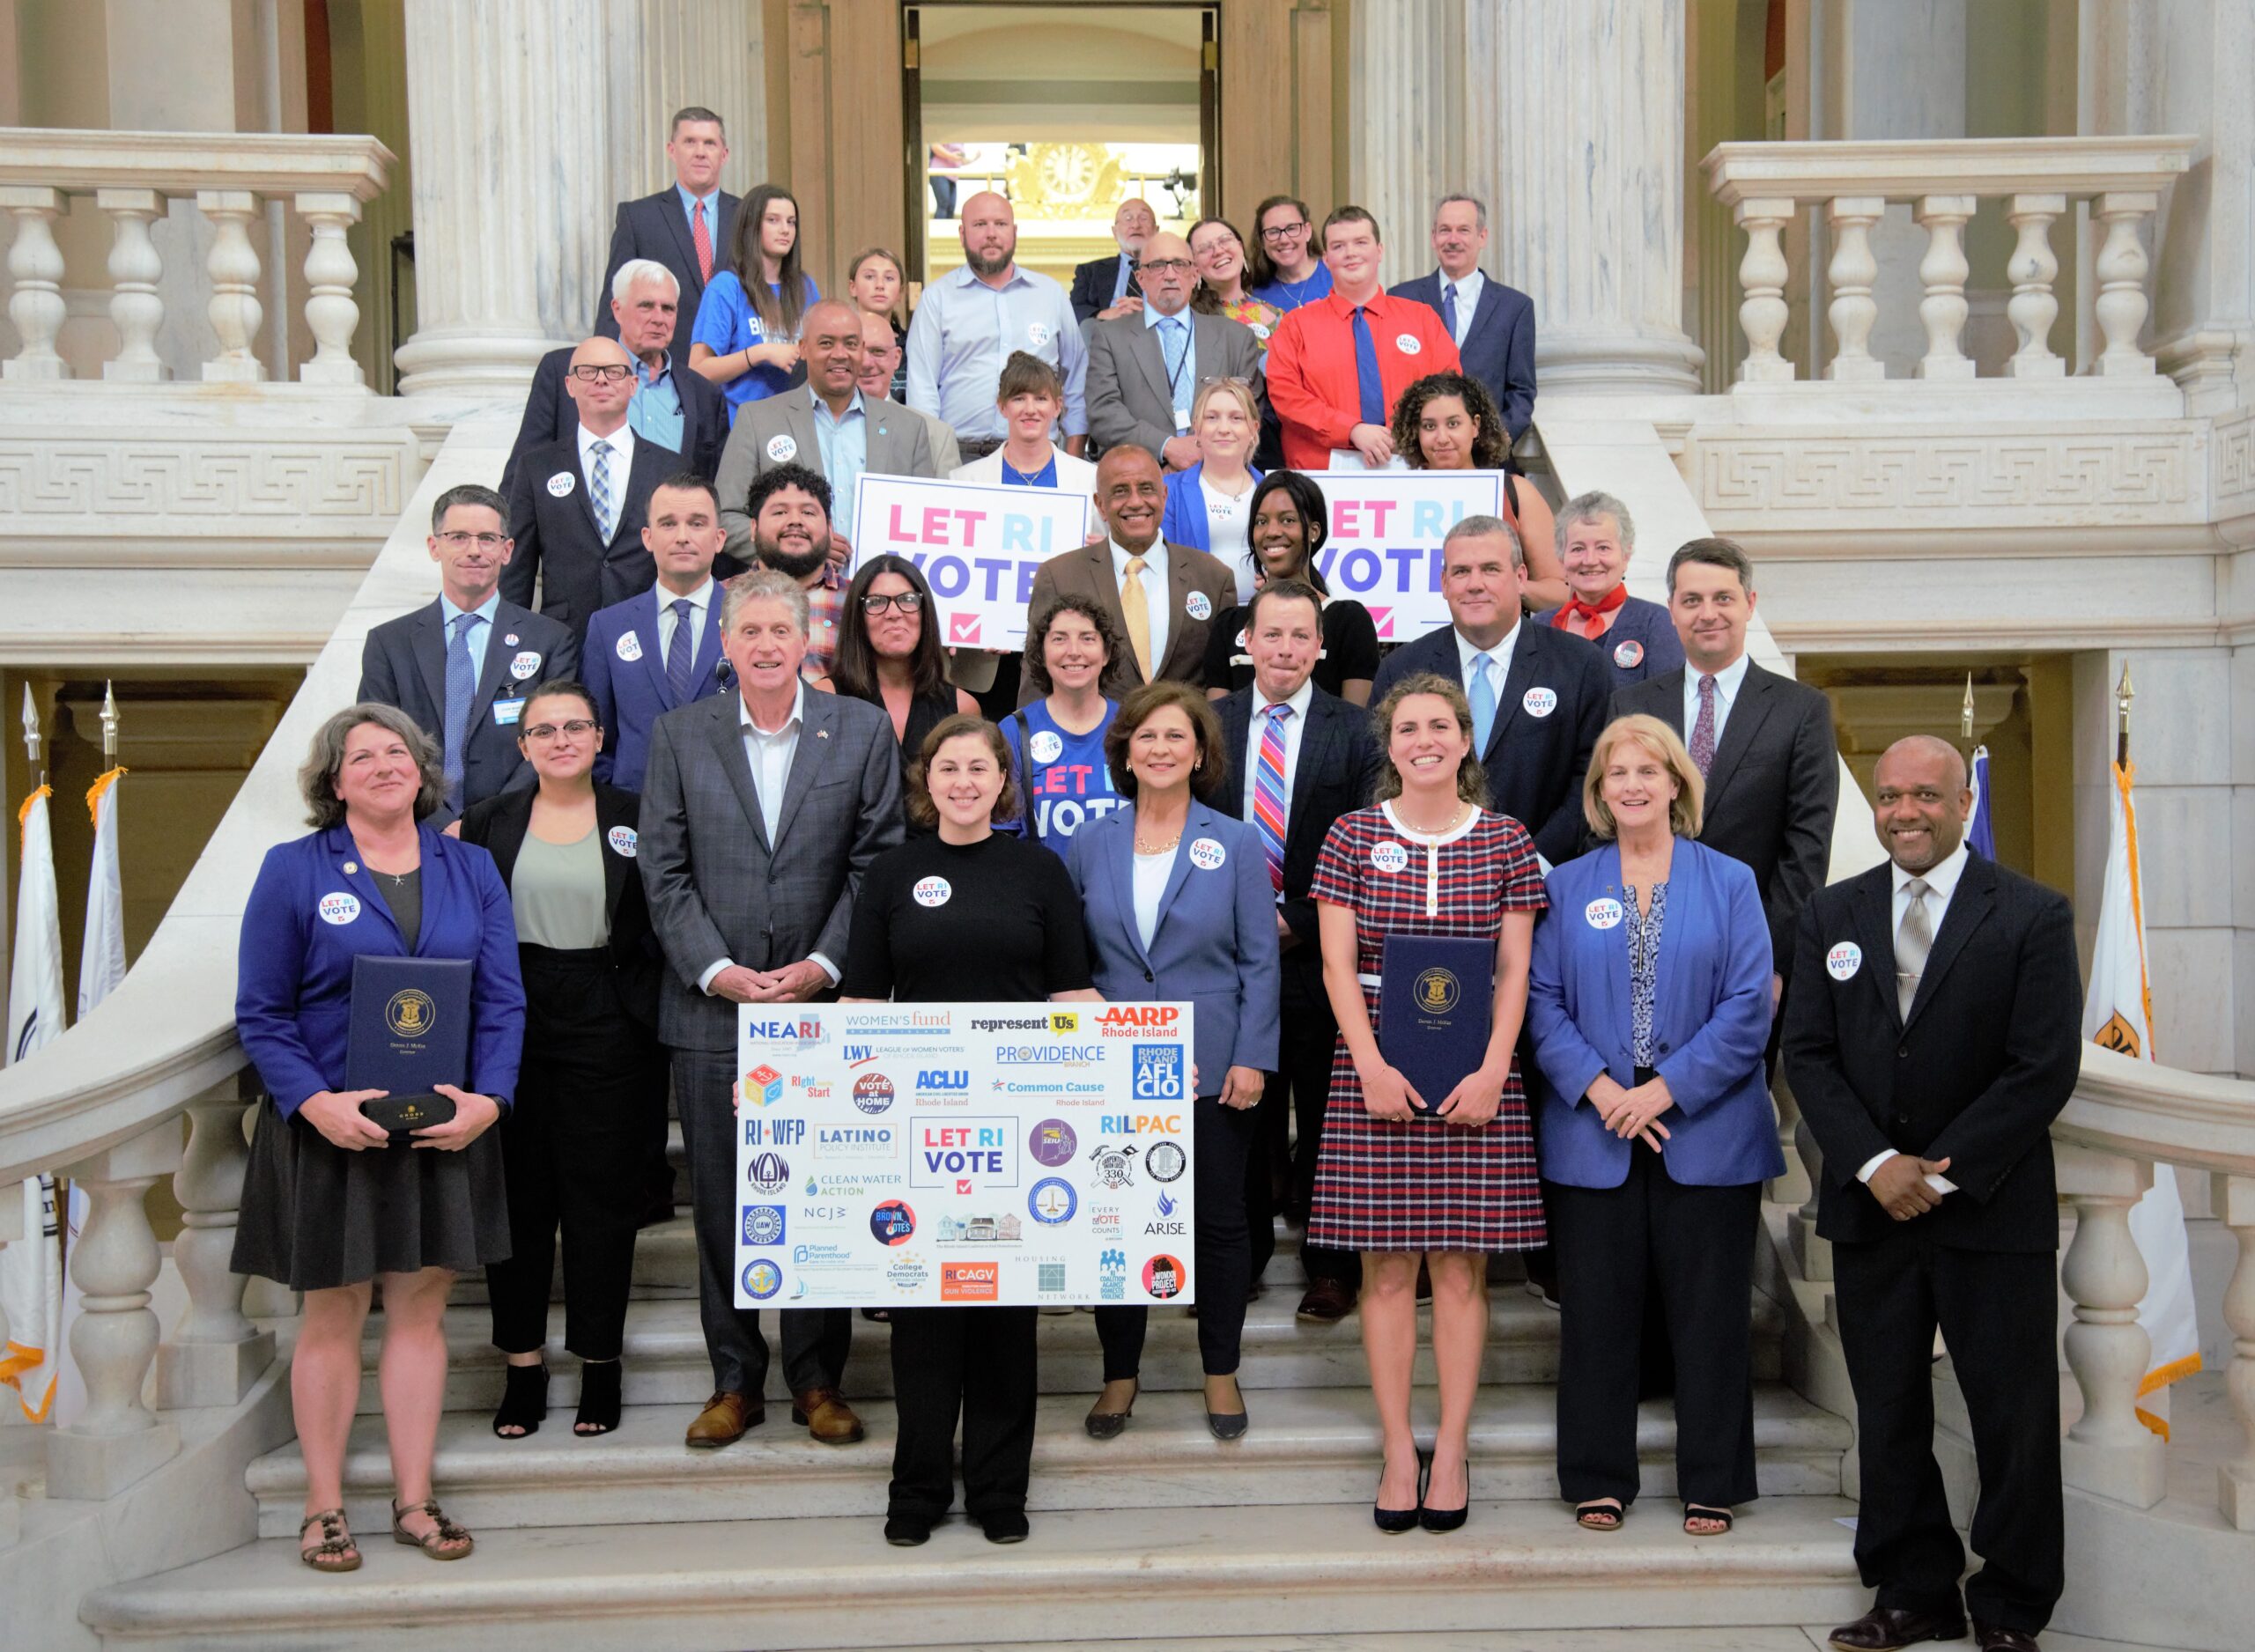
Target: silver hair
x=1587 y=507
x=1479 y=207
x=763 y=585
x=636 y=270
x=317 y=776
x=1481 y=523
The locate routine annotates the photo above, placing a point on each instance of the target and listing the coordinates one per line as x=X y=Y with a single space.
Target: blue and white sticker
x=341 y=907
x=561 y=483
x=933 y=892
x=507 y=712
x=623 y=841
x=1199 y=606
x=782 y=448
x=1389 y=856
x=1539 y=701
x=1037 y=333
x=1207 y=854
x=1259 y=329
x=1604 y=912
x=1047 y=745
x=524 y=665
x=630 y=647
x=1842 y=962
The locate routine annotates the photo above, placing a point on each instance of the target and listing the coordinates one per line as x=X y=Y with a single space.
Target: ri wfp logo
x=763 y=1086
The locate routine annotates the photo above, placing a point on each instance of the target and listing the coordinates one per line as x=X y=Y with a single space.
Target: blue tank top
x=1063 y=775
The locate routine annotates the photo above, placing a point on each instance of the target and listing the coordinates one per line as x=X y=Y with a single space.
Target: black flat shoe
x=1394 y=1521
x=1009 y=1527
x=599 y=1400
x=903 y=1532
x=524 y=1401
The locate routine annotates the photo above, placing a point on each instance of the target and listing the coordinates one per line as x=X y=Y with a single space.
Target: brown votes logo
x=410 y=1013
x=1438 y=992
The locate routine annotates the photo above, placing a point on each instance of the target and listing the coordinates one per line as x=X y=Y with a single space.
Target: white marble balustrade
x=1768 y=186
x=229 y=176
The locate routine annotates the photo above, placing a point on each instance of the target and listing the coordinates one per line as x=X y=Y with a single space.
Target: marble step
x=1306 y=1445
x=1098 y=1576
x=666 y=1362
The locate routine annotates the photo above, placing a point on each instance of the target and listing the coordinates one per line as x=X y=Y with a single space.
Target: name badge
x=1207 y=855
x=1198 y=605
x=1182 y=421
x=507 y=712
x=1603 y=913
x=623 y=841
x=1844 y=960
x=1540 y=702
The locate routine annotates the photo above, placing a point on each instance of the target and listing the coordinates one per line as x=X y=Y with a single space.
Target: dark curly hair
x=1490 y=448
x=1037 y=664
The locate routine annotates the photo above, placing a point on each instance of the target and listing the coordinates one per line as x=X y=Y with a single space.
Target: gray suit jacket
x=1128 y=398
x=898 y=446
x=718 y=889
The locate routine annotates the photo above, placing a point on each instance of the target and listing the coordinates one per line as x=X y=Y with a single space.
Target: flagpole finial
x=31 y=731
x=110 y=724
x=1965 y=711
x=2124 y=693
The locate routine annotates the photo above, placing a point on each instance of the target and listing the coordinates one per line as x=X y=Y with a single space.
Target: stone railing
x=1767 y=185
x=228 y=175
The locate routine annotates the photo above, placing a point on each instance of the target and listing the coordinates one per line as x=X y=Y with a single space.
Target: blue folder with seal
x=409 y=1031
x=1436 y=1005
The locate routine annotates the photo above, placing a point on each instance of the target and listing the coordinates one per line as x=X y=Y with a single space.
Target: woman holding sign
x=1289 y=524
x=332 y=1203
x=1447 y=420
x=1057 y=741
x=966 y=915
x=1445 y=1174
x=1649 y=1009
x=1179 y=909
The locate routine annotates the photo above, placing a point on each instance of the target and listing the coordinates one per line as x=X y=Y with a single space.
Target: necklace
x=1025 y=477
x=1296 y=291
x=398 y=878
x=1144 y=848
x=1456 y=818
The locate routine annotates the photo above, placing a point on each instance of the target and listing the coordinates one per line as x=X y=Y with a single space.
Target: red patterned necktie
x=703 y=238
x=1587 y=619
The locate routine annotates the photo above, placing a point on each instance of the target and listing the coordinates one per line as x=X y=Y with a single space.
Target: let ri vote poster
x=978 y=545
x=1387 y=529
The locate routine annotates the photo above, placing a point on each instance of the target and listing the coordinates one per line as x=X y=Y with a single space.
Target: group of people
x=711 y=768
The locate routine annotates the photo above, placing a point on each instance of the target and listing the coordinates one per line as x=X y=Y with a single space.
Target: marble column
x=1405 y=131
x=1574 y=122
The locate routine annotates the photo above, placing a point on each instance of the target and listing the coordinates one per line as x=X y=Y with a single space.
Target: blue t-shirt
x=1044 y=477
x=1286 y=296
x=1064 y=775
x=727 y=323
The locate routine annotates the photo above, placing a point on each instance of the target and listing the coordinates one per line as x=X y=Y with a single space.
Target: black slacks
x=814 y=1340
x=1998 y=1312
x=1220 y=1266
x=1307 y=1035
x=978 y=1363
x=593 y=1078
x=1696 y=1246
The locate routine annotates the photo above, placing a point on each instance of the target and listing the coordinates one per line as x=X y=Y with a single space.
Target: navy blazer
x=625 y=671
x=656 y=226
x=308 y=918
x=1337 y=774
x=1092 y=284
x=1535 y=764
x=1646 y=624
x=404 y=664
x=1711 y=1021
x=1498 y=350
x=557 y=538
x=1214 y=949
x=551 y=416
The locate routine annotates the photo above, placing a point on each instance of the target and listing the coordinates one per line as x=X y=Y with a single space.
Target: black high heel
x=1444 y=1519
x=599 y=1398
x=1394 y=1521
x=524 y=1401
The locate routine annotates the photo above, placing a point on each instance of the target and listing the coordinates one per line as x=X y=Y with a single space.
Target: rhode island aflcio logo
x=410 y=1013
x=873 y=1092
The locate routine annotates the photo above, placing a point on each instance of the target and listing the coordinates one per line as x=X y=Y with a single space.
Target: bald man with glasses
x=1145 y=368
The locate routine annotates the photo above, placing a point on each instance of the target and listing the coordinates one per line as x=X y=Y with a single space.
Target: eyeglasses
x=609 y=373
x=461 y=541
x=907 y=601
x=1283 y=232
x=578 y=728
x=1162 y=266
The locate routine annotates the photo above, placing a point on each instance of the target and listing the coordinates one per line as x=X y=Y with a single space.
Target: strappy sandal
x=432 y=1543
x=1700 y=1511
x=1600 y=1515
x=335 y=1552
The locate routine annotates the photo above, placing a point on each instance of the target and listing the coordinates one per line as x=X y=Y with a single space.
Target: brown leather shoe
x=1327 y=1302
x=1996 y=1638
x=1884 y=1629
x=826 y=1415
x=724 y=1418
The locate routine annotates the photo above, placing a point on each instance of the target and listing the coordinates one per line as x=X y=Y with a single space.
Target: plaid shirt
x=825 y=613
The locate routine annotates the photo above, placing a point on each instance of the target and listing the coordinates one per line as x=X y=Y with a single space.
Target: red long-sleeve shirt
x=1311 y=380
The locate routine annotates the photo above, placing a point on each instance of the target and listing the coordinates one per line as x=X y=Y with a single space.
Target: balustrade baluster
x=2108 y=1452
x=2032 y=268
x=36 y=262
x=215 y=1353
x=234 y=309
x=1851 y=272
x=134 y=268
x=1943 y=272
x=2234 y=1202
x=1762 y=273
x=331 y=312
x=2121 y=268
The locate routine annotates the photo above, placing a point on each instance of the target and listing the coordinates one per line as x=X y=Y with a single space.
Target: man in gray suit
x=751 y=851
x=881 y=355
x=830 y=426
x=1144 y=370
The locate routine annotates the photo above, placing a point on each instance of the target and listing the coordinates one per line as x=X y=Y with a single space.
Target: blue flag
x=1980 y=836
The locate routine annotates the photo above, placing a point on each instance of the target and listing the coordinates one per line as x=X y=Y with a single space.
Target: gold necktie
x=1135 y=608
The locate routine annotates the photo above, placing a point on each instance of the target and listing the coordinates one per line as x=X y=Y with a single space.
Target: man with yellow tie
x=1162 y=597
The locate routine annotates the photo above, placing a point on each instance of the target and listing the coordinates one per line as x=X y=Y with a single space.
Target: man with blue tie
x=463 y=666
x=1493 y=325
x=657 y=652
x=1144 y=369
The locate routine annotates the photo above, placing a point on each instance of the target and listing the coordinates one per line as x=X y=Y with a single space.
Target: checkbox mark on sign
x=963 y=1184
x=962 y=629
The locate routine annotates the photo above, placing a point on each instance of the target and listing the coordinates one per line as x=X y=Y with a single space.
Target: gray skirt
x=315 y=1216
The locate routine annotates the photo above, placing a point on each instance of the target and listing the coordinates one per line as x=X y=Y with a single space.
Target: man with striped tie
x=1299 y=759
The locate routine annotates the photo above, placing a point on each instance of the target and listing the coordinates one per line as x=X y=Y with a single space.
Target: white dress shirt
x=621 y=442
x=1728 y=681
x=699 y=600
x=770 y=754
x=1468 y=300
x=1295 y=725
x=1151 y=873
x=1500 y=660
x=1941 y=883
x=1154 y=590
x=1229 y=521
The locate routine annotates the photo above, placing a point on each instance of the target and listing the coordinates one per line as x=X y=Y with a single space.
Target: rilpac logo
x=762 y=1280
x=892 y=1222
x=1053 y=1201
x=1142 y=1124
x=763 y=1224
x=1128 y=1021
x=1158 y=1073
x=770 y=1172
x=873 y=1092
x=971 y=1282
x=802 y=1029
x=763 y=1086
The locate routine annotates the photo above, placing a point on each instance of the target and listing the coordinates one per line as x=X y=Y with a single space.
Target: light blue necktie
x=599 y=490
x=678 y=661
x=1482 y=694
x=461 y=688
x=1174 y=341
x=1448 y=308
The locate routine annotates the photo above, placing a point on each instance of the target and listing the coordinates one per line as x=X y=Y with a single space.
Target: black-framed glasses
x=461 y=541
x=602 y=373
x=578 y=728
x=1284 y=232
x=907 y=601
x=1161 y=266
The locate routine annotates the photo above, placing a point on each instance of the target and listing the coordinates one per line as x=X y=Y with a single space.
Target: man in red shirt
x=1336 y=366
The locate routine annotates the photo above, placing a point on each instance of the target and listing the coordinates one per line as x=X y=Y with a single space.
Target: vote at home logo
x=1158 y=1073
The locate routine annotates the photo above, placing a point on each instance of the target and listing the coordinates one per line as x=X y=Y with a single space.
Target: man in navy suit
x=659 y=651
x=1104 y=289
x=671 y=406
x=577 y=505
x=1538 y=696
x=686 y=228
x=463 y=666
x=1494 y=324
x=1323 y=764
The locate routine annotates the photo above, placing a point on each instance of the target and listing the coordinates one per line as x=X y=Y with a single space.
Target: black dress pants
x=1998 y=1311
x=1307 y=1037
x=593 y=1078
x=1219 y=1269
x=1696 y=1245
x=978 y=1363
x=814 y=1340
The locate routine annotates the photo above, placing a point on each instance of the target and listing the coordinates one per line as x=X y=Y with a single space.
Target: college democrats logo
x=762 y=1280
x=763 y=1224
x=1158 y=1073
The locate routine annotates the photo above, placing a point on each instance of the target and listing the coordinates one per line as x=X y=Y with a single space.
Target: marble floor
x=1750 y=1640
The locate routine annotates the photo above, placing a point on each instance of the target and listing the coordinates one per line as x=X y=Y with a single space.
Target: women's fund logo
x=1438 y=992
x=410 y=1013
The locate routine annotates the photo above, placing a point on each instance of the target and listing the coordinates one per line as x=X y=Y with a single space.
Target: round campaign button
x=1409 y=343
x=561 y=484
x=1207 y=853
x=623 y=840
x=1540 y=702
x=1603 y=913
x=1259 y=329
x=1389 y=856
x=1240 y=641
x=1844 y=960
x=1198 y=604
x=630 y=647
x=510 y=641
x=339 y=908
x=1047 y=745
x=1630 y=655
x=1037 y=333
x=524 y=665
x=781 y=448
x=933 y=891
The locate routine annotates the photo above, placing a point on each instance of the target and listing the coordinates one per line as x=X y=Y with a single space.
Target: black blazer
x=498 y=826
x=1772 y=791
x=1092 y=284
x=551 y=416
x=1984 y=1063
x=557 y=538
x=1535 y=764
x=1337 y=774
x=404 y=664
x=1498 y=350
x=655 y=226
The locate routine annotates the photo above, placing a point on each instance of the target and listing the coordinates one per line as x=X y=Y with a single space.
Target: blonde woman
x=1209 y=505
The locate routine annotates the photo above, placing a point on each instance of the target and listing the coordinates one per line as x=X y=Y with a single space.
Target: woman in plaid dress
x=1447 y=1178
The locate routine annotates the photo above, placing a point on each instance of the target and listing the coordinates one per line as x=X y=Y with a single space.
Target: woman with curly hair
x=1446 y=421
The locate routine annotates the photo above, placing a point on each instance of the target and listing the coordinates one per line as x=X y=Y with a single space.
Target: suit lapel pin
x=822 y=733
x=351 y=867
x=510 y=641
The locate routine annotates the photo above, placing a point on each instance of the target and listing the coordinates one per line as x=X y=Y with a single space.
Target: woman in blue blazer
x=1179 y=908
x=330 y=1203
x=1649 y=1002
x=1209 y=505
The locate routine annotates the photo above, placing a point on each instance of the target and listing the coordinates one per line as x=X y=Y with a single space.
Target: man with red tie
x=1337 y=365
x=686 y=228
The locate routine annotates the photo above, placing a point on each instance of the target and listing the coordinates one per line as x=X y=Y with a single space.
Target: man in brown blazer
x=1161 y=598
